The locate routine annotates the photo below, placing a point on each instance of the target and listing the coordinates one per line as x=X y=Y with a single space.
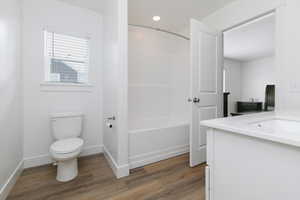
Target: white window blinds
x=67 y=58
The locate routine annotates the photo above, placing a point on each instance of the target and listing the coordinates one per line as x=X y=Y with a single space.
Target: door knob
x=196 y=100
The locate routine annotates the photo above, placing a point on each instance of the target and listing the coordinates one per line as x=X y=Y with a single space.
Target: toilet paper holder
x=113 y=118
x=108 y=124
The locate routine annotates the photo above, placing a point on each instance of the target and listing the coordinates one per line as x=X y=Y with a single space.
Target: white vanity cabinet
x=248 y=162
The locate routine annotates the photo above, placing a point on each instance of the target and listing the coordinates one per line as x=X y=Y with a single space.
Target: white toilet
x=66 y=129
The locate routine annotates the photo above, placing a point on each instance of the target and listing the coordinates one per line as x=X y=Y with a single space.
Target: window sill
x=65 y=87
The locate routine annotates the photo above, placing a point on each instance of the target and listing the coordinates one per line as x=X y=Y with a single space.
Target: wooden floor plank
x=170 y=179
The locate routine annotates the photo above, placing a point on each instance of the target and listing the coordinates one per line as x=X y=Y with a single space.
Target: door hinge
x=207 y=183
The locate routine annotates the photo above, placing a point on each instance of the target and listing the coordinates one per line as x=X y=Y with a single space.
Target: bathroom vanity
x=253 y=157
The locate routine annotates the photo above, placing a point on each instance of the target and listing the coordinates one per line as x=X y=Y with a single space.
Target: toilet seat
x=67 y=146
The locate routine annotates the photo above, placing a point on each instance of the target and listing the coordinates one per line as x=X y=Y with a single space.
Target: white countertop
x=248 y=125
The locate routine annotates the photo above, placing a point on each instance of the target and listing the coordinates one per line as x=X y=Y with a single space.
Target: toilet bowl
x=66 y=129
x=65 y=152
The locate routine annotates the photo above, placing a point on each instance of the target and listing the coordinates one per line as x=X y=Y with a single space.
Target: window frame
x=46 y=78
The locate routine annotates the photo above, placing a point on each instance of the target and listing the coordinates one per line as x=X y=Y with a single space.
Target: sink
x=278 y=125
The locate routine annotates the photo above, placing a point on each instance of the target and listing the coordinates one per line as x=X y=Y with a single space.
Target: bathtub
x=155 y=140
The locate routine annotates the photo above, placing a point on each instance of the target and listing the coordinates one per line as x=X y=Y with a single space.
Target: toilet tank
x=66 y=125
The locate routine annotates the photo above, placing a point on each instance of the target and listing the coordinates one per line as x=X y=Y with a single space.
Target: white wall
x=11 y=137
x=248 y=80
x=233 y=83
x=158 y=77
x=40 y=100
x=110 y=78
x=289 y=70
x=115 y=85
x=255 y=75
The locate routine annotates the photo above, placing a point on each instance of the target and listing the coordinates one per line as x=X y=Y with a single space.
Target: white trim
x=119 y=171
x=138 y=131
x=252 y=21
x=46 y=159
x=45 y=83
x=156 y=156
x=5 y=190
x=122 y=108
x=239 y=12
x=57 y=31
x=47 y=57
x=65 y=87
x=37 y=161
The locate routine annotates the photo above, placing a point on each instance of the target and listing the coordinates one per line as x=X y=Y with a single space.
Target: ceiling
x=175 y=14
x=251 y=41
x=95 y=5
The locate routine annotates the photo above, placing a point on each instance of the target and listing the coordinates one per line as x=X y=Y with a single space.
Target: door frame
x=247 y=22
x=279 y=11
x=279 y=14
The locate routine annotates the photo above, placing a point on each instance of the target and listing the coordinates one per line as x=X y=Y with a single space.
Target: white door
x=206 y=85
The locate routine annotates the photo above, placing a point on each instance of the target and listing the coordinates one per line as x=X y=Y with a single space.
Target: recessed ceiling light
x=156 y=18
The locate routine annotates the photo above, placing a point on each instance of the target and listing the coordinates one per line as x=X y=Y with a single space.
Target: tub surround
x=157 y=141
x=253 y=157
x=158 y=112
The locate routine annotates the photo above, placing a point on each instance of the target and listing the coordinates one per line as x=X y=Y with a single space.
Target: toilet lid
x=67 y=145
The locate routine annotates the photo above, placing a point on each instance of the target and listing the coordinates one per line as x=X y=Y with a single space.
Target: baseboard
x=152 y=157
x=92 y=150
x=5 y=190
x=37 y=161
x=46 y=159
x=119 y=171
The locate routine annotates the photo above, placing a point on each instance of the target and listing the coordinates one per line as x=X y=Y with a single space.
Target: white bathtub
x=155 y=140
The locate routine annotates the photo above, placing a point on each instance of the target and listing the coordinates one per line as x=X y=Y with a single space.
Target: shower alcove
x=158 y=111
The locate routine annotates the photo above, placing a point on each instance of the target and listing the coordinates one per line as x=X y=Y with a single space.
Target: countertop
x=244 y=125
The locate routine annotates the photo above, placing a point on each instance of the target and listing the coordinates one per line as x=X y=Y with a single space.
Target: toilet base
x=67 y=170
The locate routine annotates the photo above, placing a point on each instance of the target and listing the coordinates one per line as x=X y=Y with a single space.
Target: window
x=67 y=58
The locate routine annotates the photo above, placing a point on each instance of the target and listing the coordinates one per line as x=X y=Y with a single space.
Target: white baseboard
x=152 y=157
x=4 y=191
x=37 y=161
x=119 y=171
x=92 y=150
x=46 y=159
